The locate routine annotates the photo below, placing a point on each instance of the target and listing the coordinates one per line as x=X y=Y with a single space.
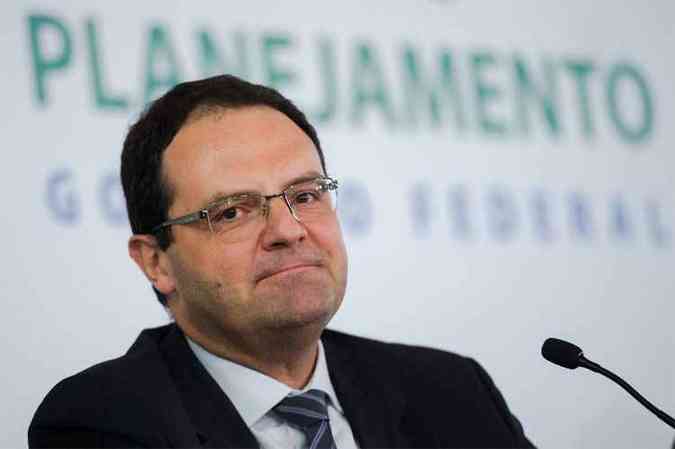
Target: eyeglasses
x=235 y=217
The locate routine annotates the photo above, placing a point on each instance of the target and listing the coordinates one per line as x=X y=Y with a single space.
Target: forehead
x=251 y=148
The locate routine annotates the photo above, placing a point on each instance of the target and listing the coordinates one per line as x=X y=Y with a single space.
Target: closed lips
x=269 y=273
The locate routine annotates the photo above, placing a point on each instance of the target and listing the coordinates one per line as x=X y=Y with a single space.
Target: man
x=234 y=224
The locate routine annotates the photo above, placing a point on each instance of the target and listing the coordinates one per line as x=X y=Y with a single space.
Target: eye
x=235 y=210
x=307 y=197
x=228 y=215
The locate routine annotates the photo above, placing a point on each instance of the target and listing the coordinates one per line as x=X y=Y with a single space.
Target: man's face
x=286 y=275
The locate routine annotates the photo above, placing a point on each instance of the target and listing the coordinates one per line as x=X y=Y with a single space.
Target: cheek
x=234 y=263
x=330 y=240
x=227 y=265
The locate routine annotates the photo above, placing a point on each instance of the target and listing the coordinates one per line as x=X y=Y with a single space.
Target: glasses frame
x=203 y=214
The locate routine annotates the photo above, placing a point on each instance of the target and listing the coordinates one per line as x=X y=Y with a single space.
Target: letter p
x=46 y=57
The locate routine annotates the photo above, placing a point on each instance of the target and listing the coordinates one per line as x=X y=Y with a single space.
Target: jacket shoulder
x=403 y=355
x=418 y=370
x=437 y=385
x=126 y=389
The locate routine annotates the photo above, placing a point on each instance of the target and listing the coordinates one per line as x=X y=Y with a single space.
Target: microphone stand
x=583 y=361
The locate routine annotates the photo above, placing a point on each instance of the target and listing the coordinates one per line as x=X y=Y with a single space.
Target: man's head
x=204 y=141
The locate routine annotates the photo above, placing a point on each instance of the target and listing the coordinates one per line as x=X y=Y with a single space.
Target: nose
x=283 y=228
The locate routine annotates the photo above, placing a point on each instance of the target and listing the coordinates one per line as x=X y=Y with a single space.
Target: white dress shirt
x=254 y=395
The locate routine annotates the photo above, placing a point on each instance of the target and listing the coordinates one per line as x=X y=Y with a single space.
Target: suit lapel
x=372 y=404
x=372 y=401
x=216 y=420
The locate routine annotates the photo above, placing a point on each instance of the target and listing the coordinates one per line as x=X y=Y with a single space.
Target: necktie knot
x=309 y=413
x=304 y=410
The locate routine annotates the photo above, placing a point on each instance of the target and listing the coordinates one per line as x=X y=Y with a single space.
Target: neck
x=288 y=356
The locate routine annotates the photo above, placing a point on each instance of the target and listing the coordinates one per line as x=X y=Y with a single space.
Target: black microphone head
x=561 y=353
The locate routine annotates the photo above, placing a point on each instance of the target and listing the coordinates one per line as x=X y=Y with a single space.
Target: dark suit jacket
x=159 y=395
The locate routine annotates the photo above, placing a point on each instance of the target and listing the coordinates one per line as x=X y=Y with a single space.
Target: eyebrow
x=221 y=195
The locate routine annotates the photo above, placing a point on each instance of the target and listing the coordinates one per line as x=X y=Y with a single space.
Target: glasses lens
x=313 y=198
x=234 y=213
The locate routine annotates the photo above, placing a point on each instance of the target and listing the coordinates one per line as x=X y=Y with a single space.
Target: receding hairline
x=216 y=111
x=212 y=110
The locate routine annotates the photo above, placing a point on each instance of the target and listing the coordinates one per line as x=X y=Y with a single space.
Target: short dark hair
x=148 y=196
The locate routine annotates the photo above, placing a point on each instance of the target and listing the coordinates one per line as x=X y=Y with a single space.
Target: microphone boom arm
x=583 y=361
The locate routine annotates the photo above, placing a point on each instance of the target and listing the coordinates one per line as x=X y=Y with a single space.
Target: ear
x=153 y=261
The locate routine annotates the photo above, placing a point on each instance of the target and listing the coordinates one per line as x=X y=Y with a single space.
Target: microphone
x=570 y=356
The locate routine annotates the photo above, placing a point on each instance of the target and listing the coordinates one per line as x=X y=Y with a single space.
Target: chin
x=299 y=300
x=303 y=311
x=307 y=311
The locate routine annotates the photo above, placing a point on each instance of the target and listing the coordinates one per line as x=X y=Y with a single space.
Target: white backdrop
x=506 y=170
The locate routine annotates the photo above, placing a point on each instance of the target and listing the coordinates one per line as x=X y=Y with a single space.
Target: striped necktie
x=308 y=413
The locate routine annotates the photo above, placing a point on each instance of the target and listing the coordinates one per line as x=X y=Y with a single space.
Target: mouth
x=286 y=270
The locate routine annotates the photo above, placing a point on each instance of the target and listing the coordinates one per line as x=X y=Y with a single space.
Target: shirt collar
x=253 y=393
